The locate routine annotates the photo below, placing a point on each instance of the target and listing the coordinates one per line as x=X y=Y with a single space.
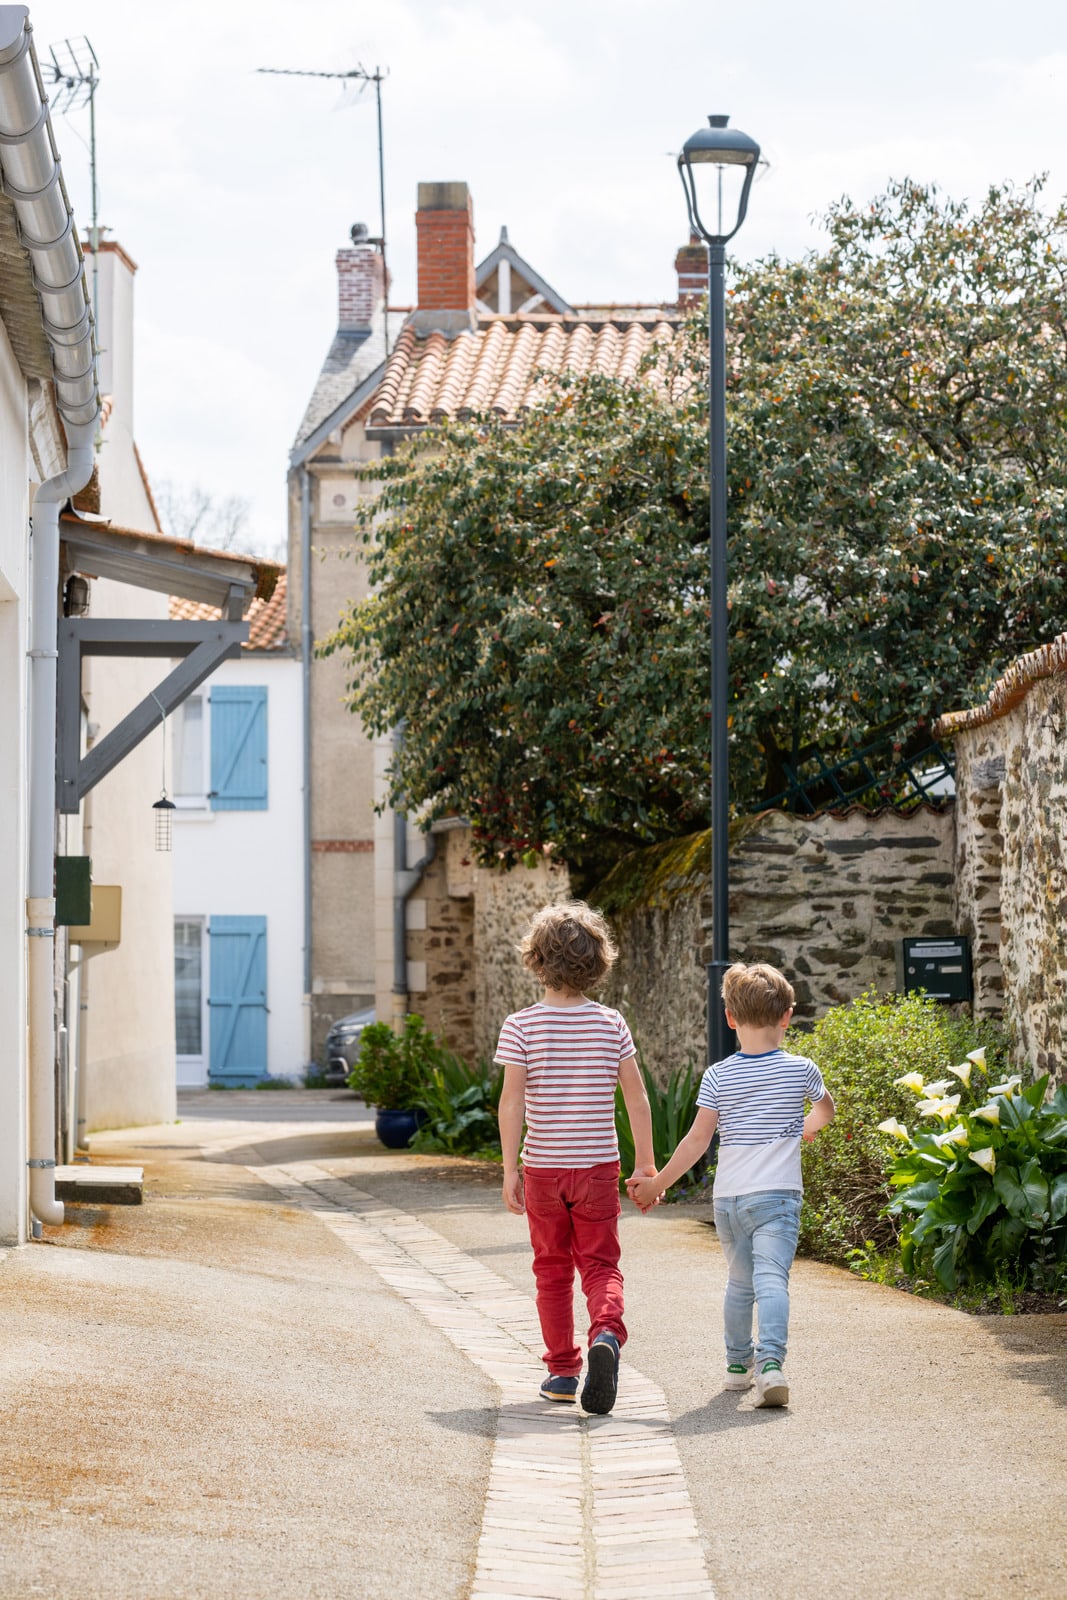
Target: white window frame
x=199 y=803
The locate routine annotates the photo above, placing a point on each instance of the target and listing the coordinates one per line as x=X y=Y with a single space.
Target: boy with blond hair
x=562 y=1060
x=755 y=1099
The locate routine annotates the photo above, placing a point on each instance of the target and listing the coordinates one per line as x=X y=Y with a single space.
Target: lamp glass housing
x=717 y=166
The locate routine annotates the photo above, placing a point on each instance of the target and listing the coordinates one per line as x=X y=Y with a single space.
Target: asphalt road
x=210 y=1396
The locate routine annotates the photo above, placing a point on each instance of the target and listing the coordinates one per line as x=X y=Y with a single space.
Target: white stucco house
x=238 y=862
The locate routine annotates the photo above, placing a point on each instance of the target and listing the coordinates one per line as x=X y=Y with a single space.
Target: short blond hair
x=758 y=996
x=569 y=947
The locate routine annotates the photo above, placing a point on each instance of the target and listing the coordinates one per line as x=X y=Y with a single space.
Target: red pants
x=574 y=1222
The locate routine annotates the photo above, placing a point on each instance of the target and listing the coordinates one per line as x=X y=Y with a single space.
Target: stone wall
x=1011 y=861
x=464 y=927
x=823 y=898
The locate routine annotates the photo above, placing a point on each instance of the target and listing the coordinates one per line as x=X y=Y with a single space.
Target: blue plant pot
x=396 y=1129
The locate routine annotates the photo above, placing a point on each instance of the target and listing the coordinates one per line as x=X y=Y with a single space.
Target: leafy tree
x=897 y=522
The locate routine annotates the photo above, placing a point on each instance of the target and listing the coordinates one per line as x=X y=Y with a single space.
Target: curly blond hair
x=757 y=996
x=569 y=947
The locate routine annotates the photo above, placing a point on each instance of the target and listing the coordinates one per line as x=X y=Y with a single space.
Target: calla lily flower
x=986 y=1159
x=956 y=1135
x=934 y=1091
x=912 y=1081
x=945 y=1109
x=989 y=1113
x=1009 y=1087
x=895 y=1129
x=978 y=1057
x=963 y=1072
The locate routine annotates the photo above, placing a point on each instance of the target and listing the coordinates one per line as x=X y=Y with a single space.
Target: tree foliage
x=897 y=535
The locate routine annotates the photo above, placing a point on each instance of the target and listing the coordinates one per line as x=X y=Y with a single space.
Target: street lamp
x=718 y=158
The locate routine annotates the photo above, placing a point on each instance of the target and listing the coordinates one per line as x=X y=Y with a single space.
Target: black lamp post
x=716 y=157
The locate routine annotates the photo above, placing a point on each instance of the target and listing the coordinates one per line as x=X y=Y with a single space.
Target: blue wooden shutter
x=238 y=749
x=238 y=999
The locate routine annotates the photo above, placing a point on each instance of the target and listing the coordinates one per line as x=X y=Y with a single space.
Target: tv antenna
x=358 y=74
x=72 y=73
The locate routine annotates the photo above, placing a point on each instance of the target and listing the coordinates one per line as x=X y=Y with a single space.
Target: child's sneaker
x=771 y=1387
x=602 y=1377
x=560 y=1389
x=738 y=1375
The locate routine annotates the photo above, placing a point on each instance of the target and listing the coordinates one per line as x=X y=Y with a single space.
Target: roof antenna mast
x=71 y=75
x=361 y=75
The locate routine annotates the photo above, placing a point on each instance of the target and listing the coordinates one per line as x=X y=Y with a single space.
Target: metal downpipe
x=305 y=667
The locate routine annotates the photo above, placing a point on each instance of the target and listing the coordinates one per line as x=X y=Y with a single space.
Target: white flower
x=989 y=1113
x=945 y=1109
x=962 y=1072
x=956 y=1135
x=896 y=1129
x=910 y=1080
x=1009 y=1087
x=986 y=1159
x=978 y=1057
x=934 y=1091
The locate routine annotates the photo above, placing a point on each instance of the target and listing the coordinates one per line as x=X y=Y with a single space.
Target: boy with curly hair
x=755 y=1098
x=562 y=1060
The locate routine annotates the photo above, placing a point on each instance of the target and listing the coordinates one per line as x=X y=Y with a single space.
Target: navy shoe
x=602 y=1378
x=560 y=1389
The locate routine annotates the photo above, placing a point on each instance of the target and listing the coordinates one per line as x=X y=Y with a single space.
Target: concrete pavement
x=303 y=1368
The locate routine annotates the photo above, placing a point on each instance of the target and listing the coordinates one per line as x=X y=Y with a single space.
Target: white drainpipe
x=29 y=163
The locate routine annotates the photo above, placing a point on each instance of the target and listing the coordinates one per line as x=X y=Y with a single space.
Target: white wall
x=14 y=471
x=130 y=1078
x=250 y=863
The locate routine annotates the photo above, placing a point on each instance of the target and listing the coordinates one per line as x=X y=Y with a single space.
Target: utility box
x=941 y=967
x=73 y=889
x=103 y=928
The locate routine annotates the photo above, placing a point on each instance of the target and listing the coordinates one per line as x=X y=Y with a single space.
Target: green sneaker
x=738 y=1375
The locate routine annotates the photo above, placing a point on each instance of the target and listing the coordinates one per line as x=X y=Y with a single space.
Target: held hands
x=513 y=1196
x=644 y=1188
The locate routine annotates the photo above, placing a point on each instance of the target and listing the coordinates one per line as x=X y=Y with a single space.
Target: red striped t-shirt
x=572 y=1056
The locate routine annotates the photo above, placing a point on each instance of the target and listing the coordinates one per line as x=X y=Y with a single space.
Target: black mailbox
x=942 y=967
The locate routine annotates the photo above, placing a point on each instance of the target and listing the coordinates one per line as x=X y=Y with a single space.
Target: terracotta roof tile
x=266 y=618
x=1010 y=690
x=434 y=379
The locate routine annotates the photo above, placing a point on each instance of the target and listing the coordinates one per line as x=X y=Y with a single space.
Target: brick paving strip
x=577 y=1508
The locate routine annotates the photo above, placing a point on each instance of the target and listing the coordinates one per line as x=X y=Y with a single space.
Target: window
x=190 y=753
x=189 y=985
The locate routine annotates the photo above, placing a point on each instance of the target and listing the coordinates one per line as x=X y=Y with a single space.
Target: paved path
x=307 y=1368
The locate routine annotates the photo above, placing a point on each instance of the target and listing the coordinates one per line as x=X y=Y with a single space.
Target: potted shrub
x=390 y=1075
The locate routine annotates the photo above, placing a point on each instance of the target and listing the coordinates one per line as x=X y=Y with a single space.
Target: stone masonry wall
x=1034 y=877
x=981 y=759
x=441 y=969
x=824 y=898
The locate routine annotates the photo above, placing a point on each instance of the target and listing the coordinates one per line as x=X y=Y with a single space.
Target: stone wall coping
x=1009 y=691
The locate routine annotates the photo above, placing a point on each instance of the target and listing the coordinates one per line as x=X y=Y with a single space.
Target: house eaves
x=505 y=251
x=220 y=578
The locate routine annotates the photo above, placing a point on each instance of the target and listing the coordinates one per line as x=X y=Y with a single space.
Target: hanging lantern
x=164 y=810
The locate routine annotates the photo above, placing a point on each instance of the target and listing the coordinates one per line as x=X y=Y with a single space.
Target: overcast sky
x=233 y=191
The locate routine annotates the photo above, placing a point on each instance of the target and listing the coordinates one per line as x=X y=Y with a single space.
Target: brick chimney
x=360 y=287
x=445 y=226
x=691 y=265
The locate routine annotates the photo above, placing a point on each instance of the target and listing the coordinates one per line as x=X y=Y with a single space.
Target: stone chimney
x=445 y=226
x=691 y=265
x=360 y=285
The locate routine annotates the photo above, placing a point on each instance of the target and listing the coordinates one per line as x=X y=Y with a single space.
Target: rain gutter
x=33 y=182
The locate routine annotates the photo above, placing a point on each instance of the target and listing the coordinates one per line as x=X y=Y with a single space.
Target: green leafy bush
x=673 y=1107
x=861 y=1049
x=984 y=1183
x=393 y=1069
x=460 y=1103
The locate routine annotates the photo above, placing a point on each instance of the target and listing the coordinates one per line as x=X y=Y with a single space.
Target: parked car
x=342 y=1044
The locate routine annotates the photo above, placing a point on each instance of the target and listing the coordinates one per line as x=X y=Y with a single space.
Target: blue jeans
x=758 y=1233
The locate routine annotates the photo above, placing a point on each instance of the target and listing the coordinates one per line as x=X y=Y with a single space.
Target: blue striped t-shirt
x=760 y=1101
